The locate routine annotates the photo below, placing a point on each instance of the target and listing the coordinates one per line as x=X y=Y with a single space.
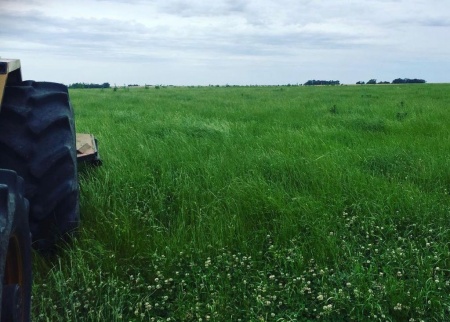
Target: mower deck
x=87 y=150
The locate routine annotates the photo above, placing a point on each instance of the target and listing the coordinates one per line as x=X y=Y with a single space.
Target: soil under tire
x=37 y=140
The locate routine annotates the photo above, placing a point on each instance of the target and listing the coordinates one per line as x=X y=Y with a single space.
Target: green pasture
x=327 y=203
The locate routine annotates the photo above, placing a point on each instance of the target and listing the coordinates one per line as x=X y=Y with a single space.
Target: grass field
x=259 y=204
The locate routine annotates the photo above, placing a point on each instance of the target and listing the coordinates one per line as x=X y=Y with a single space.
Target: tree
x=372 y=81
x=322 y=82
x=408 y=81
x=84 y=85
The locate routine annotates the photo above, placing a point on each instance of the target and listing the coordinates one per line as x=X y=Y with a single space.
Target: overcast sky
x=201 y=42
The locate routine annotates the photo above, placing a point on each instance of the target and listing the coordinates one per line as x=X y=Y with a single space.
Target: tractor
x=39 y=192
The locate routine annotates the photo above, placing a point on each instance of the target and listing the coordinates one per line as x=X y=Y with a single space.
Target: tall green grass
x=259 y=204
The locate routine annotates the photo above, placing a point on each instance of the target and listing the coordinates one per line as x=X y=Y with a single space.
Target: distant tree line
x=321 y=82
x=408 y=81
x=84 y=85
x=308 y=83
x=395 y=81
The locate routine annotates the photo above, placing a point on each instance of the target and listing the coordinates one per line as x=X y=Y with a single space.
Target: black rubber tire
x=15 y=249
x=37 y=140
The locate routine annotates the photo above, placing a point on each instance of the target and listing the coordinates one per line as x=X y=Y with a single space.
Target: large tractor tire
x=37 y=140
x=15 y=249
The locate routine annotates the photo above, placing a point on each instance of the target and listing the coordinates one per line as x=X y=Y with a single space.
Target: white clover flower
x=328 y=307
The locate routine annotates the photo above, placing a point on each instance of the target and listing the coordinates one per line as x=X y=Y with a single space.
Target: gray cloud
x=223 y=31
x=124 y=38
x=436 y=22
x=76 y=36
x=203 y=9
